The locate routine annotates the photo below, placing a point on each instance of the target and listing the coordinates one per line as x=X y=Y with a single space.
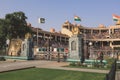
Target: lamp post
x=49 y=48
x=90 y=44
x=37 y=36
x=7 y=44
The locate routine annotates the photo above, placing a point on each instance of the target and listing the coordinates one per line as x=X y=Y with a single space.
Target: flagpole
x=40 y=20
x=37 y=36
x=37 y=31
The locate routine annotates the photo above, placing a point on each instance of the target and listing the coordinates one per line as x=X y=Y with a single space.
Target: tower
x=76 y=46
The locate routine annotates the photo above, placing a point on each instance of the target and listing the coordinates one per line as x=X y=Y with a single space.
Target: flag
x=41 y=20
x=77 y=18
x=116 y=17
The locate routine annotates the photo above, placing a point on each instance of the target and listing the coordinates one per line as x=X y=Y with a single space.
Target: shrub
x=72 y=64
x=110 y=62
x=2 y=59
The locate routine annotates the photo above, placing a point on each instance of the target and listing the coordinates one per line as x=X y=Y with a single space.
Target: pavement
x=117 y=76
x=16 y=65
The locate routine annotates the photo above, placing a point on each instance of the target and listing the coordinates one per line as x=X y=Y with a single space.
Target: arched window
x=73 y=45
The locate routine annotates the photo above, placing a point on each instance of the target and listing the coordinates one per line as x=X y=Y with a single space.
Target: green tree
x=3 y=32
x=17 y=25
x=14 y=25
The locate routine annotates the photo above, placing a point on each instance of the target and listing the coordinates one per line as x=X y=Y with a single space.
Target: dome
x=101 y=26
x=52 y=30
x=66 y=21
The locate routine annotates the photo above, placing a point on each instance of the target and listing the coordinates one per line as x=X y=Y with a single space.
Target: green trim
x=86 y=61
x=15 y=57
x=115 y=19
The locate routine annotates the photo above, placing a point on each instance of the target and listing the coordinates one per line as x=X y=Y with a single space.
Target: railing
x=111 y=74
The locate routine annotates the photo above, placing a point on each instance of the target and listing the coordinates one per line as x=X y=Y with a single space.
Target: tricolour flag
x=116 y=17
x=77 y=18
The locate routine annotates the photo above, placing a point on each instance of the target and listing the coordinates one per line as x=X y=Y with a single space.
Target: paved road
x=117 y=77
x=11 y=65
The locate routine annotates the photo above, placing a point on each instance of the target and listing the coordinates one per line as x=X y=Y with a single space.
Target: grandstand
x=97 y=39
x=47 y=44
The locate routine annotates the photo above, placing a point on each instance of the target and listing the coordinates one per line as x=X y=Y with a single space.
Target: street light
x=90 y=43
x=7 y=43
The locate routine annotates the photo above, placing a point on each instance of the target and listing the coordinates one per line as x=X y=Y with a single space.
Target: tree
x=14 y=25
x=3 y=33
x=17 y=25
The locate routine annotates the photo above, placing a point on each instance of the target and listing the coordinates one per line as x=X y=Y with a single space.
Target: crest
x=75 y=30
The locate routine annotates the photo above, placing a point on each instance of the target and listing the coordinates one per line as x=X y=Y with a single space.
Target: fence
x=111 y=74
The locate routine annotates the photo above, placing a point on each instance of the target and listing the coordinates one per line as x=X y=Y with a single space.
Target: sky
x=56 y=12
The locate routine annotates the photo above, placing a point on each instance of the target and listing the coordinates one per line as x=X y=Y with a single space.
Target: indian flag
x=77 y=18
x=116 y=17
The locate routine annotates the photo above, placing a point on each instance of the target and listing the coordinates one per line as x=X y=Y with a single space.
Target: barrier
x=87 y=61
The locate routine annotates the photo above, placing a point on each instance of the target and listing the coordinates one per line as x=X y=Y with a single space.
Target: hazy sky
x=56 y=12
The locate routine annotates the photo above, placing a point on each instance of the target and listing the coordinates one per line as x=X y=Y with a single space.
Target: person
x=64 y=57
x=58 y=57
x=101 y=57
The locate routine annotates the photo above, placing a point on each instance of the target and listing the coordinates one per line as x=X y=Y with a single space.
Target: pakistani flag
x=77 y=18
x=41 y=20
x=116 y=17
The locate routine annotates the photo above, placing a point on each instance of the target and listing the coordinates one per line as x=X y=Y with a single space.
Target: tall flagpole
x=37 y=31
x=37 y=36
x=40 y=20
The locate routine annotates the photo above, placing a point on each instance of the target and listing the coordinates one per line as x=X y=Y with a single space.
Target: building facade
x=97 y=39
